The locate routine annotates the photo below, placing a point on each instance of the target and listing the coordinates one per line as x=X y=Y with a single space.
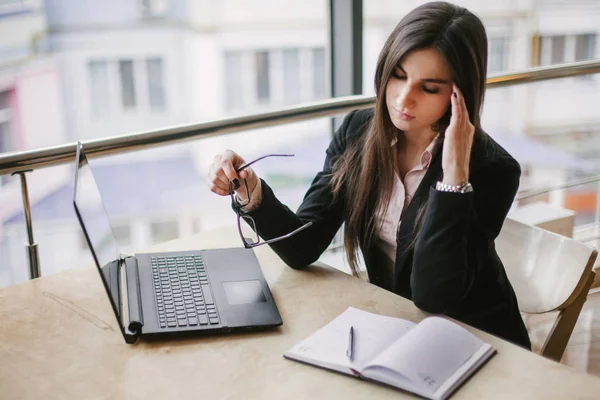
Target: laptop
x=171 y=293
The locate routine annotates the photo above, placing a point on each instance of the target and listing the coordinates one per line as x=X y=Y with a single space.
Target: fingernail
x=236 y=184
x=455 y=95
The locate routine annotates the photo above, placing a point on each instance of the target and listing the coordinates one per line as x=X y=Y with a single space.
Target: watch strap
x=462 y=188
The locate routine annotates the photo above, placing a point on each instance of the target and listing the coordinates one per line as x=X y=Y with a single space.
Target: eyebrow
x=428 y=80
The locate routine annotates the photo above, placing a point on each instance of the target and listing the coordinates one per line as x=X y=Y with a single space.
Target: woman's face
x=418 y=92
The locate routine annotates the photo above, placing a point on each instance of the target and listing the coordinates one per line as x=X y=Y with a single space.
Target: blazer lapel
x=406 y=234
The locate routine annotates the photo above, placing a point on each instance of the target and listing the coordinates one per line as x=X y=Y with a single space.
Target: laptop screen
x=96 y=227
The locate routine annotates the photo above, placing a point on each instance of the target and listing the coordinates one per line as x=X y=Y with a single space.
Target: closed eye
x=425 y=88
x=431 y=90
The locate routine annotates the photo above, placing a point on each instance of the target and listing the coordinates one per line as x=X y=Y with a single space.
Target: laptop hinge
x=131 y=303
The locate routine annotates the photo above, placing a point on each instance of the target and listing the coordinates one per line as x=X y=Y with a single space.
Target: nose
x=405 y=98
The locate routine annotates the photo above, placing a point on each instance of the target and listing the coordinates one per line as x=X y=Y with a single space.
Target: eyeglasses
x=248 y=231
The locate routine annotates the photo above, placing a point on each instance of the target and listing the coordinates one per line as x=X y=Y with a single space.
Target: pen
x=350 y=351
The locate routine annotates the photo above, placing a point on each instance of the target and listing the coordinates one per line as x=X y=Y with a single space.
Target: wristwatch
x=462 y=188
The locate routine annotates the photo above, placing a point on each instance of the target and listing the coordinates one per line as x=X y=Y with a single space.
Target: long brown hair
x=365 y=172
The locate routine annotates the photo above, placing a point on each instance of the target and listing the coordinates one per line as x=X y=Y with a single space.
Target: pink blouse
x=402 y=194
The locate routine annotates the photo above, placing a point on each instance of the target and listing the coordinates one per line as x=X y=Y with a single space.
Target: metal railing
x=27 y=161
x=536 y=192
x=65 y=153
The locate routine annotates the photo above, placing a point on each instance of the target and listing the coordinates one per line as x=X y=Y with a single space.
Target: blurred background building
x=79 y=70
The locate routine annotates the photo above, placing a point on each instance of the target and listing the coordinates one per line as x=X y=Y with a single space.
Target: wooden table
x=59 y=340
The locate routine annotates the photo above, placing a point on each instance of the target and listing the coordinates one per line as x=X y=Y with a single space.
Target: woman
x=422 y=189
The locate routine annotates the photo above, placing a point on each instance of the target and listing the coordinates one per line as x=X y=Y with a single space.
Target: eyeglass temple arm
x=277 y=239
x=260 y=158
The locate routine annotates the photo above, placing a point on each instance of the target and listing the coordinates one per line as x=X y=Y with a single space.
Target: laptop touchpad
x=244 y=292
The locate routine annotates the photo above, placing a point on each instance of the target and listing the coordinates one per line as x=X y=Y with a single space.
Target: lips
x=404 y=116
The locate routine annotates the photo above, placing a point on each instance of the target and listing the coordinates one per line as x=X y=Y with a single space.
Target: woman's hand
x=456 y=153
x=223 y=170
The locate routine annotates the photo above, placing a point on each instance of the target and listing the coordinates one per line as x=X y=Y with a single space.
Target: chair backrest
x=546 y=270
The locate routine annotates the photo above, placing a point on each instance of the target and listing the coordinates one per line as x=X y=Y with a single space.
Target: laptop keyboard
x=183 y=295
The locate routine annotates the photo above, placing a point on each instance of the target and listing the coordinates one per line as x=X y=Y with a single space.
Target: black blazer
x=453 y=267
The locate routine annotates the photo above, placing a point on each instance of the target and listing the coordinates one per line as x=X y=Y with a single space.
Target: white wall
x=20 y=30
x=40 y=109
x=239 y=15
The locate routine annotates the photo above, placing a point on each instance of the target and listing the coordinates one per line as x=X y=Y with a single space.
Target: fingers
x=222 y=175
x=229 y=162
x=222 y=171
x=217 y=181
x=458 y=105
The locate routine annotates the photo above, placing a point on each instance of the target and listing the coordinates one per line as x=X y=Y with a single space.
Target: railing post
x=31 y=247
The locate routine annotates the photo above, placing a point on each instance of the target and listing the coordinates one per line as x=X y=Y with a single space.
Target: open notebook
x=431 y=358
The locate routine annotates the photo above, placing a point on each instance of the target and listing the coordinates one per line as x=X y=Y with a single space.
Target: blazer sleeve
x=273 y=219
x=457 y=233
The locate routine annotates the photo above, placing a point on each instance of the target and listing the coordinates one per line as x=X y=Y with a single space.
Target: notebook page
x=328 y=345
x=465 y=370
x=430 y=353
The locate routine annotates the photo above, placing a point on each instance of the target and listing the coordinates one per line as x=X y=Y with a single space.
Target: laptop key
x=214 y=321
x=207 y=294
x=203 y=319
x=182 y=321
x=193 y=321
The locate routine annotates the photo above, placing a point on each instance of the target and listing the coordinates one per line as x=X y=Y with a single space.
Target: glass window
x=164 y=230
x=263 y=90
x=497 y=55
x=558 y=50
x=5 y=117
x=234 y=98
x=234 y=55
x=10 y=4
x=5 y=145
x=5 y=142
x=127 y=83
x=5 y=131
x=122 y=234
x=291 y=76
x=156 y=87
x=552 y=50
x=99 y=87
x=585 y=47
x=319 y=74
x=154 y=8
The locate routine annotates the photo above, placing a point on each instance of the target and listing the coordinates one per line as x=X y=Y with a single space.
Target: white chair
x=548 y=272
